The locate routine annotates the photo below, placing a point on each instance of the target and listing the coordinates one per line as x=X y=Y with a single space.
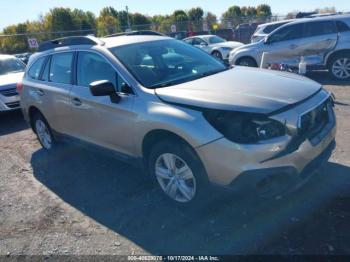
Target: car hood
x=250 y=46
x=10 y=80
x=242 y=89
x=230 y=44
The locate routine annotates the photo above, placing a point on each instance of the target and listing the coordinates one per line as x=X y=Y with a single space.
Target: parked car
x=139 y=32
x=323 y=42
x=244 y=32
x=24 y=57
x=11 y=72
x=178 y=35
x=179 y=113
x=264 y=29
x=214 y=45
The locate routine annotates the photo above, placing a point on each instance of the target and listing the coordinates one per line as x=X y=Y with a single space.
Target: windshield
x=216 y=40
x=166 y=62
x=11 y=65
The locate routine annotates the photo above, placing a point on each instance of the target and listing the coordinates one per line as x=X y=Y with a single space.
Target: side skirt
x=134 y=161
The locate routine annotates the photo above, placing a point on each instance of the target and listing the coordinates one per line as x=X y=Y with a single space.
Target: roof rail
x=70 y=40
x=141 y=32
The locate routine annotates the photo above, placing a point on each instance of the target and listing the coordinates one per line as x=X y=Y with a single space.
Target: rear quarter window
x=35 y=69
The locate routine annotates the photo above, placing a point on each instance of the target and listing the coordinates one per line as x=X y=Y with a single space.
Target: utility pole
x=127 y=15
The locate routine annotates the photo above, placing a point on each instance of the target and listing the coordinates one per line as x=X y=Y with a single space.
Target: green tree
x=62 y=19
x=263 y=11
x=140 y=21
x=195 y=15
x=180 y=18
x=233 y=15
x=107 y=25
x=109 y=11
x=123 y=19
x=211 y=20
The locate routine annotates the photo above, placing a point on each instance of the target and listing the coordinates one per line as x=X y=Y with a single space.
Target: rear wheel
x=178 y=172
x=43 y=132
x=339 y=67
x=247 y=61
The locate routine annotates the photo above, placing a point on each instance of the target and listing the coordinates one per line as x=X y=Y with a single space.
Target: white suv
x=323 y=42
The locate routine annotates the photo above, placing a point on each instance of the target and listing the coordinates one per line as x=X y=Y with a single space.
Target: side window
x=197 y=41
x=289 y=32
x=188 y=41
x=61 y=68
x=270 y=28
x=319 y=28
x=342 y=27
x=45 y=75
x=35 y=69
x=93 y=67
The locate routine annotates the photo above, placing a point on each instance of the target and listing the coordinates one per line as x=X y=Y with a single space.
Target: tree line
x=59 y=22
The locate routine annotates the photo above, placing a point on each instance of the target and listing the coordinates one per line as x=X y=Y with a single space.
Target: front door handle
x=76 y=101
x=293 y=46
x=40 y=92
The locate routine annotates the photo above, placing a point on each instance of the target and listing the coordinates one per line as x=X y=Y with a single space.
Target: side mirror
x=203 y=44
x=104 y=88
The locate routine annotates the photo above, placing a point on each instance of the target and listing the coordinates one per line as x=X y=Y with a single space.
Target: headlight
x=244 y=128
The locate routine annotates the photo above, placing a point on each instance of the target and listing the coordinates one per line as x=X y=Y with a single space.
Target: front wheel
x=339 y=67
x=247 y=61
x=178 y=172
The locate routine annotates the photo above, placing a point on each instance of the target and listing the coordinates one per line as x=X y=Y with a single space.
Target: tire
x=339 y=67
x=247 y=61
x=44 y=132
x=217 y=55
x=167 y=161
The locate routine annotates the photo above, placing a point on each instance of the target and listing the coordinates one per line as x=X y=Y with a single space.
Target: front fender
x=188 y=124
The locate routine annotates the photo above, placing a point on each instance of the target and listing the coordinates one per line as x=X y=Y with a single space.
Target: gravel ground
x=74 y=201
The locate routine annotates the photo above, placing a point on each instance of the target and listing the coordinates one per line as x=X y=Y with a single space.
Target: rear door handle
x=40 y=92
x=76 y=101
x=293 y=46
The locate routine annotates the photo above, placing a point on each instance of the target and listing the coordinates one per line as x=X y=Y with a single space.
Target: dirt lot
x=77 y=202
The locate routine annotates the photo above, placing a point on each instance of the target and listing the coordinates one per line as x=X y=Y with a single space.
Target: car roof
x=199 y=36
x=276 y=22
x=111 y=42
x=321 y=18
x=6 y=56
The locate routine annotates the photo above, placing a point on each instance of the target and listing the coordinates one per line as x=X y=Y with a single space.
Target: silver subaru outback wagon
x=189 y=120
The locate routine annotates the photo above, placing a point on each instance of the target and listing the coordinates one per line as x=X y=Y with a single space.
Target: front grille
x=12 y=105
x=9 y=92
x=316 y=122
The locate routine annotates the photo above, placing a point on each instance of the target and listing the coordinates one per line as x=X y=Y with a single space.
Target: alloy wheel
x=341 y=68
x=43 y=134
x=175 y=177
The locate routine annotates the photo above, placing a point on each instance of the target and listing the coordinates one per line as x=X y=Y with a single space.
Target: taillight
x=19 y=87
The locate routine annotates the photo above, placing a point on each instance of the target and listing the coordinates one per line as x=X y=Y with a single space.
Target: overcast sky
x=16 y=11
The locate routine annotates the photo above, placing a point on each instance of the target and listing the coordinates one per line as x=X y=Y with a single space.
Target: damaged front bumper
x=232 y=164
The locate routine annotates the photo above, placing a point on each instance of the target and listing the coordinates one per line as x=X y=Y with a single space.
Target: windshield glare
x=216 y=40
x=11 y=65
x=166 y=62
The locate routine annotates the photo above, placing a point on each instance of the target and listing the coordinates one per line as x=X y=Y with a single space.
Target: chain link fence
x=236 y=29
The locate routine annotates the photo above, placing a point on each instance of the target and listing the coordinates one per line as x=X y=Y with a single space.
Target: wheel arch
x=245 y=56
x=32 y=111
x=330 y=56
x=158 y=135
